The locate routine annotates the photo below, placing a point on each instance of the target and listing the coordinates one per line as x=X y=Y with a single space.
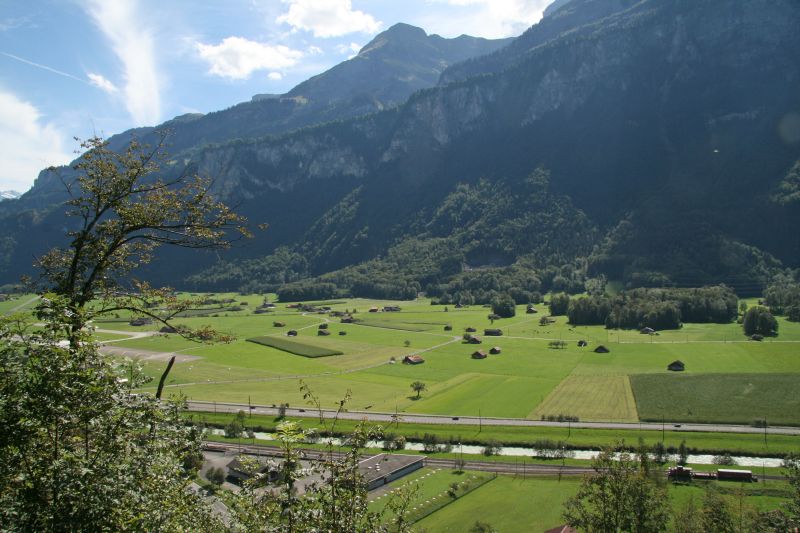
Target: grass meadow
x=528 y=379
x=515 y=503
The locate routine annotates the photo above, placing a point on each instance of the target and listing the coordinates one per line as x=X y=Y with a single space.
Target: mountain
x=648 y=141
x=9 y=195
x=391 y=67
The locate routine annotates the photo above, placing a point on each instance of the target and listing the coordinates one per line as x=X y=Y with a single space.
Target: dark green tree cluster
x=655 y=308
x=782 y=296
x=504 y=306
x=759 y=321
x=559 y=304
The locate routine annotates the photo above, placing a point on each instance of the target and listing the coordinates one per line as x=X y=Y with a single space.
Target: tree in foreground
x=79 y=450
x=619 y=497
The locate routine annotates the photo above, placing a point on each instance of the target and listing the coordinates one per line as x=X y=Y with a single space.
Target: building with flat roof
x=385 y=467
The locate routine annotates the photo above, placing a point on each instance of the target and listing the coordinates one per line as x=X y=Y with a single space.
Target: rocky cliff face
x=659 y=119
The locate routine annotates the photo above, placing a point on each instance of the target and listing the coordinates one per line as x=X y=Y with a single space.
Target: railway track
x=518 y=468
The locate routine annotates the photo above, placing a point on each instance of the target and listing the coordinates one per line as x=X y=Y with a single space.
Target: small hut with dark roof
x=601 y=349
x=676 y=366
x=495 y=350
x=479 y=355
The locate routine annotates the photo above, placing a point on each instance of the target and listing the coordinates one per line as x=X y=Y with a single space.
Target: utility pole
x=249 y=407
x=662 y=427
x=480 y=421
x=765 y=430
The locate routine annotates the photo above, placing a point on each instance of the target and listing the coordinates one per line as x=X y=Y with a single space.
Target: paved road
x=473 y=420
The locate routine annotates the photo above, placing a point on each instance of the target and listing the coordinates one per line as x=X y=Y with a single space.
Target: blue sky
x=77 y=67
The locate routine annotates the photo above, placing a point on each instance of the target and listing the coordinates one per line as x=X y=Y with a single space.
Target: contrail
x=45 y=67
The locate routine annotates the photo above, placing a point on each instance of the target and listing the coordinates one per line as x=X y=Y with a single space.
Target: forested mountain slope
x=672 y=127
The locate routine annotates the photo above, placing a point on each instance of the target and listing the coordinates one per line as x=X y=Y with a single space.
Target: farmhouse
x=413 y=360
x=493 y=332
x=601 y=349
x=479 y=355
x=391 y=308
x=676 y=366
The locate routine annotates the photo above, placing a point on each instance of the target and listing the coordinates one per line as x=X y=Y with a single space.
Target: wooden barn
x=479 y=355
x=413 y=360
x=493 y=332
x=495 y=350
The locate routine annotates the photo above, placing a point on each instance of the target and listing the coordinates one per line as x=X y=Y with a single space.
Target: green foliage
x=79 y=450
x=782 y=296
x=716 y=514
x=418 y=387
x=294 y=346
x=559 y=304
x=619 y=496
x=504 y=306
x=658 y=309
x=216 y=475
x=758 y=320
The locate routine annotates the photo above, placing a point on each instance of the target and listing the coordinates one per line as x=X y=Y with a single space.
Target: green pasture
x=26 y=301
x=718 y=397
x=515 y=503
x=528 y=379
x=298 y=348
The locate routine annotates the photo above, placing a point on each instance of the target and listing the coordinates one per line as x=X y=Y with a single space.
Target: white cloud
x=28 y=143
x=102 y=83
x=133 y=43
x=487 y=18
x=275 y=76
x=351 y=49
x=237 y=58
x=328 y=18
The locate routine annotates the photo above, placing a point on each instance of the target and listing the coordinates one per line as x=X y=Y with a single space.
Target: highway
x=222 y=407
